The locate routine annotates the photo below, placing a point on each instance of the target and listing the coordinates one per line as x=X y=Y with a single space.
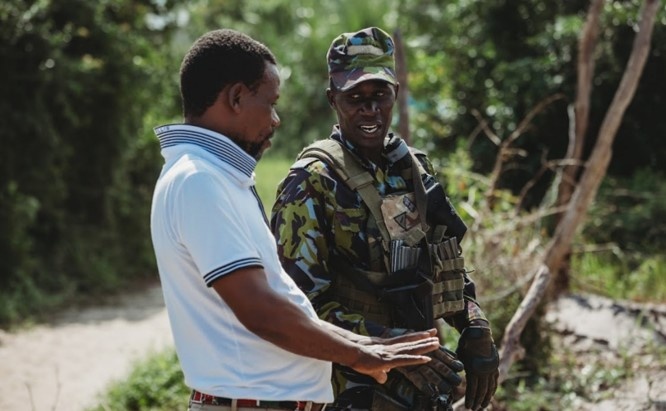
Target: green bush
x=77 y=156
x=630 y=212
x=155 y=384
x=624 y=237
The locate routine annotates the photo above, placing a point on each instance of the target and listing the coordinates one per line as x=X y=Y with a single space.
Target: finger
x=481 y=391
x=412 y=348
x=380 y=376
x=449 y=359
x=413 y=336
x=470 y=391
x=419 y=347
x=445 y=372
x=415 y=343
x=418 y=379
x=405 y=360
x=492 y=387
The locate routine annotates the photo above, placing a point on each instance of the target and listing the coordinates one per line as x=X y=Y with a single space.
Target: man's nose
x=370 y=106
x=276 y=120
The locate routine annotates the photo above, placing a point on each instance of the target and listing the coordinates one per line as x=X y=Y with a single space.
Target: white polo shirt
x=207 y=222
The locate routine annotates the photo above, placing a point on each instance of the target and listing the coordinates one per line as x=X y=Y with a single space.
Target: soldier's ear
x=330 y=97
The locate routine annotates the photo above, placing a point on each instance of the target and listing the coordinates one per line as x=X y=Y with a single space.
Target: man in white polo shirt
x=246 y=336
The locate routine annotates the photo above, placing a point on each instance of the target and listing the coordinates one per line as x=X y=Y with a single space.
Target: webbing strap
x=448 y=285
x=419 y=191
x=356 y=178
x=447 y=307
x=453 y=264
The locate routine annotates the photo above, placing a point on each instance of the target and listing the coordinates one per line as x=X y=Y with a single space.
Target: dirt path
x=618 y=337
x=64 y=365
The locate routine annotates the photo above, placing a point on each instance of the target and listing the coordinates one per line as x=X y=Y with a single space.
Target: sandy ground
x=611 y=334
x=63 y=366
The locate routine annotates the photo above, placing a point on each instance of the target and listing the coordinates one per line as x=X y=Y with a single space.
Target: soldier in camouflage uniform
x=368 y=234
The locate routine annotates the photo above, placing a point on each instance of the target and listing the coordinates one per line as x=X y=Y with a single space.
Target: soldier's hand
x=439 y=376
x=477 y=351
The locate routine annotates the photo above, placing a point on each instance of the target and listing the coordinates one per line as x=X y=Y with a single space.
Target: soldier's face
x=364 y=113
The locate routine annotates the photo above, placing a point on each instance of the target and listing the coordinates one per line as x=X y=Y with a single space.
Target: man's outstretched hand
x=380 y=355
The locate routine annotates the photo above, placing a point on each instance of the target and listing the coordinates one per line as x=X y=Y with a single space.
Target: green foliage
x=501 y=58
x=76 y=169
x=630 y=212
x=155 y=384
x=627 y=220
x=271 y=169
x=636 y=276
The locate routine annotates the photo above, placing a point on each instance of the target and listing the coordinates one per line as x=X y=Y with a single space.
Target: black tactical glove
x=477 y=351
x=437 y=378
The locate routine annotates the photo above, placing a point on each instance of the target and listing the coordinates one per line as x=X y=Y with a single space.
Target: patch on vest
x=400 y=215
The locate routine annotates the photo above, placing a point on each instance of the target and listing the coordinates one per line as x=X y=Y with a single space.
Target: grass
x=270 y=171
x=621 y=275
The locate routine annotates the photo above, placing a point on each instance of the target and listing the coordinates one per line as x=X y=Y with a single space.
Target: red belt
x=201 y=398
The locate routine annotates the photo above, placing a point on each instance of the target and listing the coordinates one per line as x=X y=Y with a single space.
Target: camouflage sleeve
x=301 y=223
x=472 y=310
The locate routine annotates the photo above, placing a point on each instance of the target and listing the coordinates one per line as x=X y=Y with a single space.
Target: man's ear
x=234 y=96
x=329 y=97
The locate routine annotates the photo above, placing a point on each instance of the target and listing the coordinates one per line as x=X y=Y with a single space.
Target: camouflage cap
x=361 y=56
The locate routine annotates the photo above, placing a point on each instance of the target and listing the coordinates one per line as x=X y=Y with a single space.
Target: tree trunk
x=403 y=93
x=579 y=121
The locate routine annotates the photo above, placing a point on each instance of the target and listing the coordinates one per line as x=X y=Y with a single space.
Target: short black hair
x=216 y=59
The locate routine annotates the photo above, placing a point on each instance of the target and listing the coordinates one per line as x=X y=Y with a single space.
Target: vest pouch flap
x=411 y=305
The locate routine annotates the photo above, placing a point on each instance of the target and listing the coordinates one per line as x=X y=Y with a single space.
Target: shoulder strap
x=353 y=174
x=419 y=190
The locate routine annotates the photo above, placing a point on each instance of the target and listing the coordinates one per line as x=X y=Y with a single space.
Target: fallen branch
x=511 y=350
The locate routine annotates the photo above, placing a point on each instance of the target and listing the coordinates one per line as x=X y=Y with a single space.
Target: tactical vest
x=429 y=251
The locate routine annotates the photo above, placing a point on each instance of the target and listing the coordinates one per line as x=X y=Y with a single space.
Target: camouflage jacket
x=317 y=217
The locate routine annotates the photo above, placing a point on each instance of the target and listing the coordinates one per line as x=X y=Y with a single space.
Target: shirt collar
x=336 y=134
x=215 y=143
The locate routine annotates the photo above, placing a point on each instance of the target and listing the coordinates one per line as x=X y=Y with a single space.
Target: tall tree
x=585 y=191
